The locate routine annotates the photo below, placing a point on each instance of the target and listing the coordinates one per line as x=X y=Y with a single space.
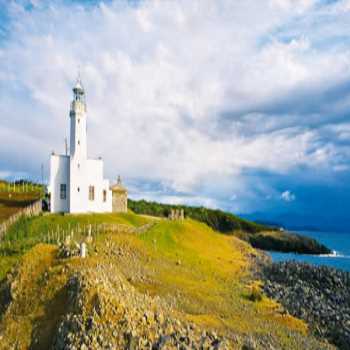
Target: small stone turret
x=177 y=214
x=119 y=197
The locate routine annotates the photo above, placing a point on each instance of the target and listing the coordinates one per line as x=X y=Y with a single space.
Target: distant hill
x=258 y=235
x=338 y=222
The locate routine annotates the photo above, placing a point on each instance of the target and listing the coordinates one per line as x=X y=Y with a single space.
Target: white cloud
x=288 y=196
x=299 y=6
x=341 y=6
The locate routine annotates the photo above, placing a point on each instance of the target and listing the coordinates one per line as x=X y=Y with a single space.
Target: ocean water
x=338 y=242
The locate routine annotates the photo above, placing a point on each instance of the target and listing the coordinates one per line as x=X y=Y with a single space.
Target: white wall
x=89 y=173
x=95 y=178
x=78 y=185
x=59 y=174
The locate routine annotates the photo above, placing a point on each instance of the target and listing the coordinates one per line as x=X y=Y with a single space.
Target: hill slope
x=258 y=235
x=177 y=284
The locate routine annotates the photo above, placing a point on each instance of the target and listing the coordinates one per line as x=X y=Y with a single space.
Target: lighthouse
x=77 y=184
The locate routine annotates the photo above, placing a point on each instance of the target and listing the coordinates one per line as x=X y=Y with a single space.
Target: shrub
x=255 y=294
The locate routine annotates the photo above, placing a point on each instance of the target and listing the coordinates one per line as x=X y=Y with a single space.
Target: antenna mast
x=66 y=145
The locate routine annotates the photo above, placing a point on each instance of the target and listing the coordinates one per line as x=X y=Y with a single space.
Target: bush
x=255 y=294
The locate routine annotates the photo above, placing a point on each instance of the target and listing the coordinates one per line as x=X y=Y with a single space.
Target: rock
x=116 y=316
x=313 y=293
x=249 y=344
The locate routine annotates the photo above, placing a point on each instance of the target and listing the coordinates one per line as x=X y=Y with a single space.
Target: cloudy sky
x=242 y=105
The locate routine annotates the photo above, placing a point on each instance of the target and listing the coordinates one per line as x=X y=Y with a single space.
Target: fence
x=83 y=231
x=30 y=210
x=77 y=233
x=23 y=187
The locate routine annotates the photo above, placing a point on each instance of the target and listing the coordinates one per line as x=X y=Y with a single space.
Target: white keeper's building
x=76 y=182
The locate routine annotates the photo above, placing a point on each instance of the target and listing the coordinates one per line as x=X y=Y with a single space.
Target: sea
x=338 y=242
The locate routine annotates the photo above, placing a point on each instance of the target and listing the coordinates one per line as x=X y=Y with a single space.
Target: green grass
x=163 y=235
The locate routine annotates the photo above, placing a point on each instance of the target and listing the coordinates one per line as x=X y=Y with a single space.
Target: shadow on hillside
x=5 y=296
x=16 y=203
x=46 y=325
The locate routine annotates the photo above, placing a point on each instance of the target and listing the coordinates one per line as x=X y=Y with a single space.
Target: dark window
x=78 y=165
x=78 y=142
x=91 y=193
x=104 y=195
x=78 y=189
x=63 y=191
x=78 y=121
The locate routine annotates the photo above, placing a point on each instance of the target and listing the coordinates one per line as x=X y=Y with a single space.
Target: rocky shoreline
x=320 y=295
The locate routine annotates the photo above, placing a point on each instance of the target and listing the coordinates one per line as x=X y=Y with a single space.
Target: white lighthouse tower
x=78 y=149
x=76 y=182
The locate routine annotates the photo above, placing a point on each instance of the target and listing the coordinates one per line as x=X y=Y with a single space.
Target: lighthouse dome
x=78 y=87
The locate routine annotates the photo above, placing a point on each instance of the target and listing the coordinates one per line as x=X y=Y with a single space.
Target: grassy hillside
x=177 y=278
x=258 y=235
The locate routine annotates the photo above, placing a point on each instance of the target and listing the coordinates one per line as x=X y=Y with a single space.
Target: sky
x=240 y=105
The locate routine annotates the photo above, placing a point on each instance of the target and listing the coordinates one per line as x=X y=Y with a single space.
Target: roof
x=118 y=187
x=78 y=86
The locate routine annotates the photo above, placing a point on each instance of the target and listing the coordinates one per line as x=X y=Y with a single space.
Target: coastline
x=338 y=242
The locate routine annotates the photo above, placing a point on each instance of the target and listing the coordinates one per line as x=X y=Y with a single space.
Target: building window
x=78 y=189
x=63 y=191
x=104 y=195
x=91 y=193
x=78 y=142
x=78 y=165
x=78 y=121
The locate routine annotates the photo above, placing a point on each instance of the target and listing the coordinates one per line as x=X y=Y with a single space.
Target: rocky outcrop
x=108 y=313
x=318 y=294
x=287 y=242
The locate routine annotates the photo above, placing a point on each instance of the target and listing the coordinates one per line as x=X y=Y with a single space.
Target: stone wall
x=119 y=202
